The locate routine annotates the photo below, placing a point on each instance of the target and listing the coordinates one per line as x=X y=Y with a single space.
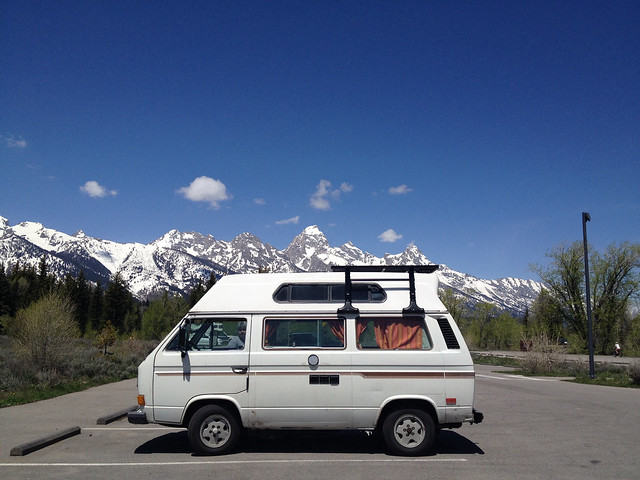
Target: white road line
x=519 y=377
x=233 y=462
x=136 y=429
x=491 y=376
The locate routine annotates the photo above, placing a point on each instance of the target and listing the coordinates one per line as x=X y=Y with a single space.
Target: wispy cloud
x=259 y=201
x=389 y=236
x=324 y=194
x=289 y=221
x=13 y=141
x=206 y=189
x=95 y=190
x=400 y=190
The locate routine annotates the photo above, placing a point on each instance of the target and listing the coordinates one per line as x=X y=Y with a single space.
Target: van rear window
x=328 y=292
x=303 y=333
x=393 y=333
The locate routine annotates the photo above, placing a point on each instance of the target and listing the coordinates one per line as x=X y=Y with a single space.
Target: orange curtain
x=361 y=326
x=398 y=333
x=337 y=328
x=270 y=331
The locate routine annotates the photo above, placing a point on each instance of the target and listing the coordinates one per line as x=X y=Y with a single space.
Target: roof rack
x=412 y=309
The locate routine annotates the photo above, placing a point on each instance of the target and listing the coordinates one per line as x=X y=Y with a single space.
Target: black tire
x=409 y=432
x=213 y=430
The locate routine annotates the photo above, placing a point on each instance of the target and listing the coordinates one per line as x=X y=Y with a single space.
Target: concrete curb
x=115 y=416
x=29 y=447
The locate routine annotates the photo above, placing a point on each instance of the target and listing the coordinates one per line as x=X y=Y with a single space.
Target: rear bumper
x=478 y=417
x=137 y=417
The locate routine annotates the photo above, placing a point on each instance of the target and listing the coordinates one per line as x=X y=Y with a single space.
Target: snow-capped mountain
x=177 y=260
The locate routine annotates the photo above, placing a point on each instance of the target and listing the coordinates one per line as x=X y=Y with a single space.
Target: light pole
x=587 y=218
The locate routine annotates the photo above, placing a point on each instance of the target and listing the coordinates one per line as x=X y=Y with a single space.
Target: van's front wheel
x=409 y=432
x=213 y=430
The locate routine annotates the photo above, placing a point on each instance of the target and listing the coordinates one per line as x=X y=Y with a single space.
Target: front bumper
x=137 y=417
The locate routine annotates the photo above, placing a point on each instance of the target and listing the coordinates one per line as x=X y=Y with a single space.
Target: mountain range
x=177 y=260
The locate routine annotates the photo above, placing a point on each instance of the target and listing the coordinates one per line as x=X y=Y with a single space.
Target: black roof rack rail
x=412 y=309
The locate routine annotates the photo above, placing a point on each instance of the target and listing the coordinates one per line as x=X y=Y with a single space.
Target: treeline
x=95 y=307
x=559 y=314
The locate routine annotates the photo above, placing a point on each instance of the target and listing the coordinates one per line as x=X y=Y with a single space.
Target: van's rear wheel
x=214 y=431
x=409 y=432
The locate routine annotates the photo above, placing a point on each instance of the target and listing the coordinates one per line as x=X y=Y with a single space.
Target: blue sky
x=478 y=131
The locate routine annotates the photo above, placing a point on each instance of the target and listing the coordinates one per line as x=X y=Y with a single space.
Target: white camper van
x=358 y=348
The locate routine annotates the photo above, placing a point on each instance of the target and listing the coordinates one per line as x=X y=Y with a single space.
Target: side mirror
x=182 y=340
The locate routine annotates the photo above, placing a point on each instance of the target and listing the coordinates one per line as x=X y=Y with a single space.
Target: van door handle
x=239 y=370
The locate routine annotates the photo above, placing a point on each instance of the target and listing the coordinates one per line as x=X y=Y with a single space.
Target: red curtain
x=398 y=333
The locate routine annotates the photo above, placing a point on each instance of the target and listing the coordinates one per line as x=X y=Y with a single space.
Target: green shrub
x=44 y=332
x=634 y=372
x=543 y=357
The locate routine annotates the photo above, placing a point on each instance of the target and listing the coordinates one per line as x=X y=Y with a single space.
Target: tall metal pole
x=587 y=218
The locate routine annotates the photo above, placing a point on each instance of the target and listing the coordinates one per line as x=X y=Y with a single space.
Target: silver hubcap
x=215 y=431
x=409 y=432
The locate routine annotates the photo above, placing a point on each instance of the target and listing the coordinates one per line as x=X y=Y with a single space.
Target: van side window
x=315 y=333
x=393 y=333
x=213 y=334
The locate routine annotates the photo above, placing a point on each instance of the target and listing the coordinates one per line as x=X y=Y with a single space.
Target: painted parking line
x=236 y=462
x=519 y=377
x=128 y=429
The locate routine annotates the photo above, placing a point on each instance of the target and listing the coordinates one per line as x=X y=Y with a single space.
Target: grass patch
x=36 y=393
x=609 y=377
x=483 y=359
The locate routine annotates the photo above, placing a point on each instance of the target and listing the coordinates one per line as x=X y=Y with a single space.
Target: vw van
x=357 y=348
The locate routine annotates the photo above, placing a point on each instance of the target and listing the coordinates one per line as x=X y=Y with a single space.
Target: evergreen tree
x=96 y=307
x=5 y=293
x=82 y=300
x=196 y=293
x=46 y=282
x=212 y=281
x=118 y=302
x=162 y=315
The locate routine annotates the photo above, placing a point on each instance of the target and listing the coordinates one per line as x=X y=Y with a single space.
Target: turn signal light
x=141 y=400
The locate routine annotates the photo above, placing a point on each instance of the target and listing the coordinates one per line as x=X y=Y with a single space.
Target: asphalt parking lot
x=534 y=428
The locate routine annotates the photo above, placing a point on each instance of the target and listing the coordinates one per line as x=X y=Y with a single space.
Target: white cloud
x=293 y=220
x=400 y=190
x=324 y=193
x=95 y=190
x=12 y=141
x=259 y=201
x=206 y=189
x=389 y=236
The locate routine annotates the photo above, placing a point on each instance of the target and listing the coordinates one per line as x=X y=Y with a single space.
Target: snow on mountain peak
x=312 y=230
x=177 y=261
